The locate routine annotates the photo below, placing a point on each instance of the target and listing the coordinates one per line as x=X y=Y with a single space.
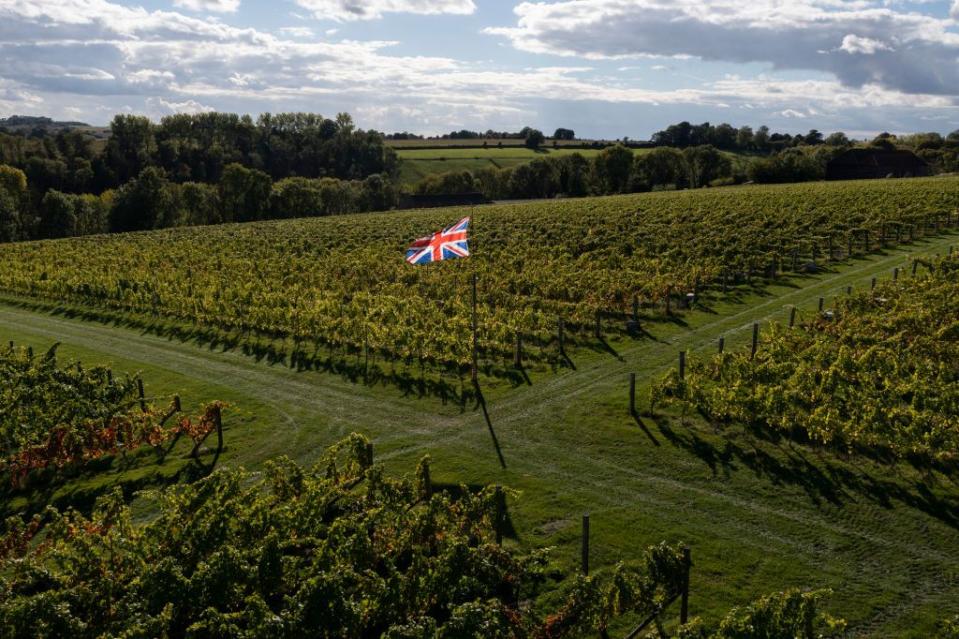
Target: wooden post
x=217 y=418
x=474 y=372
x=849 y=290
x=585 y=545
x=518 y=352
x=599 y=326
x=176 y=404
x=873 y=284
x=30 y=352
x=562 y=335
x=792 y=317
x=498 y=514
x=632 y=393
x=143 y=404
x=755 y=338
x=722 y=345
x=369 y=454
x=895 y=274
x=684 y=600
x=915 y=265
x=682 y=365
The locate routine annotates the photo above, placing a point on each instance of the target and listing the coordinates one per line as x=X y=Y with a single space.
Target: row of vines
x=54 y=416
x=879 y=372
x=341 y=284
x=336 y=550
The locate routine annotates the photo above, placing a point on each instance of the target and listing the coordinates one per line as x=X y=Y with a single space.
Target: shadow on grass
x=89 y=482
x=481 y=403
x=781 y=462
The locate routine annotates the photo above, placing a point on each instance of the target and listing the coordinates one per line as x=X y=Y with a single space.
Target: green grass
x=759 y=515
x=416 y=163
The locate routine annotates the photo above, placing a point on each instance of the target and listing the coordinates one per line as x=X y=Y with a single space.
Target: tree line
x=151 y=200
x=218 y=167
x=190 y=169
x=561 y=133
x=198 y=148
x=938 y=150
x=615 y=169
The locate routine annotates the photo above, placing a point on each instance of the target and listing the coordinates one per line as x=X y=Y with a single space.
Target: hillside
x=418 y=163
x=761 y=511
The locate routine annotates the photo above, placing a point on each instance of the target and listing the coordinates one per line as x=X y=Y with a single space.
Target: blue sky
x=606 y=68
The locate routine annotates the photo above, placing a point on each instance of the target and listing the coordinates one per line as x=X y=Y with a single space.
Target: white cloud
x=867 y=46
x=345 y=10
x=912 y=52
x=164 y=107
x=297 y=32
x=100 y=57
x=792 y=113
x=954 y=12
x=217 y=6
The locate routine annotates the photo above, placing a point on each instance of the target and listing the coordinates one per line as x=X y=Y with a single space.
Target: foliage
x=881 y=371
x=340 y=285
x=789 y=166
x=52 y=416
x=792 y=614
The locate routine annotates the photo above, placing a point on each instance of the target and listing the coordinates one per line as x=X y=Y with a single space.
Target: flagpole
x=475 y=363
x=475 y=368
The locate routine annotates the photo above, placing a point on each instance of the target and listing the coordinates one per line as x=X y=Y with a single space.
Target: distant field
x=416 y=164
x=513 y=142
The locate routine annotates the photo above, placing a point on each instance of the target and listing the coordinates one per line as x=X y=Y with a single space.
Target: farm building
x=862 y=164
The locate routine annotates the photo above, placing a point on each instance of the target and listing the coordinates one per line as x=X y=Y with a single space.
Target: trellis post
x=684 y=600
x=584 y=559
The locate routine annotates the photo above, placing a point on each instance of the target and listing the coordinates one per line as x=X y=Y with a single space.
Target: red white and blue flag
x=450 y=243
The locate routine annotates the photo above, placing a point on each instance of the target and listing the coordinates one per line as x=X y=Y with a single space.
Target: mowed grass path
x=759 y=515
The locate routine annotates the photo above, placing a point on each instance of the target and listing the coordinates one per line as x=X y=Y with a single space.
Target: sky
x=605 y=68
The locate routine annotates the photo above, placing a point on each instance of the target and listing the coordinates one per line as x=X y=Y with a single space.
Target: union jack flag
x=450 y=243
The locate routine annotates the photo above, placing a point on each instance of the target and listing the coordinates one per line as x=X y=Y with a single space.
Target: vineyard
x=340 y=286
x=336 y=550
x=879 y=372
x=57 y=417
x=803 y=467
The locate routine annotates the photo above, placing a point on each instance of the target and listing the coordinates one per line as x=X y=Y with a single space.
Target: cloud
x=867 y=46
x=954 y=12
x=103 y=57
x=217 y=6
x=164 y=107
x=909 y=51
x=297 y=32
x=347 y=10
